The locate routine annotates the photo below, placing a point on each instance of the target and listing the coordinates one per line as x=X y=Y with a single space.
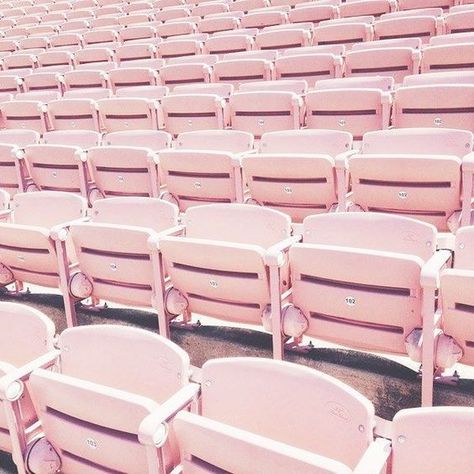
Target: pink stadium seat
x=24 y=114
x=295 y=171
x=33 y=43
x=132 y=76
x=139 y=32
x=420 y=173
x=176 y=48
x=396 y=62
x=28 y=20
x=413 y=43
x=53 y=18
x=170 y=13
x=283 y=39
x=14 y=12
x=100 y=38
x=215 y=25
x=74 y=114
x=350 y=262
x=46 y=81
x=155 y=64
x=438 y=105
x=9 y=45
x=90 y=56
x=167 y=30
x=156 y=140
x=11 y=83
x=44 y=96
x=107 y=10
x=27 y=343
x=161 y=4
x=30 y=251
x=311 y=67
x=135 y=51
x=261 y=19
x=200 y=37
x=57 y=168
x=220 y=89
x=353 y=105
x=422 y=27
x=343 y=33
x=128 y=113
x=312 y=13
x=176 y=74
x=208 y=8
x=138 y=18
x=129 y=401
x=433 y=78
x=238 y=71
x=12 y=170
x=104 y=23
x=124 y=171
x=448 y=57
x=19 y=61
x=17 y=32
x=193 y=111
x=414 y=4
x=133 y=221
x=236 y=286
x=144 y=92
x=417 y=431
x=42 y=30
x=366 y=8
x=94 y=93
x=267 y=55
x=248 y=437
x=452 y=38
x=79 y=138
x=67 y=40
x=137 y=6
x=262 y=107
x=204 y=167
x=87 y=79
x=460 y=22
x=75 y=26
x=229 y=44
x=55 y=58
x=208 y=59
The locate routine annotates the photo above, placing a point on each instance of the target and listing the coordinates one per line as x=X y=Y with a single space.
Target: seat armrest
x=151 y=430
x=429 y=277
x=60 y=232
x=4 y=215
x=342 y=159
x=154 y=241
x=274 y=255
x=17 y=377
x=468 y=162
x=375 y=457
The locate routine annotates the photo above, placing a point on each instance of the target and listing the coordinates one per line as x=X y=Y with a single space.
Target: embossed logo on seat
x=339 y=411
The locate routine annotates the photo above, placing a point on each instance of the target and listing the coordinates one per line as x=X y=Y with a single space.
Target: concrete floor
x=390 y=383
